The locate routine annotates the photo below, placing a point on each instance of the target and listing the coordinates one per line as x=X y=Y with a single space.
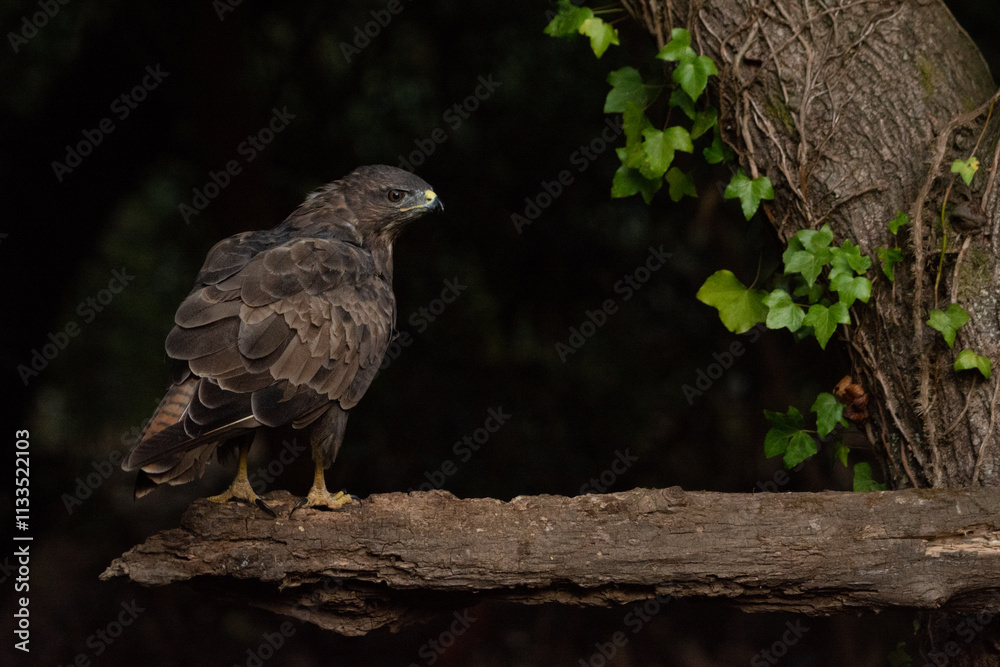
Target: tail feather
x=166 y=446
x=171 y=409
x=180 y=470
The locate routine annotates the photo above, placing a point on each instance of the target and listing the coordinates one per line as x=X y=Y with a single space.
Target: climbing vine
x=821 y=281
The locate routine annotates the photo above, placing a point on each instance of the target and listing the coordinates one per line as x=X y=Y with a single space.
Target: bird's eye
x=395 y=195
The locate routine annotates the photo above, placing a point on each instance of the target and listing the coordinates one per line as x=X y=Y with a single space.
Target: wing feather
x=261 y=339
x=184 y=343
x=272 y=335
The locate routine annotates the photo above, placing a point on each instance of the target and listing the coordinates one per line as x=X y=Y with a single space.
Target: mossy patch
x=776 y=108
x=974 y=274
x=928 y=73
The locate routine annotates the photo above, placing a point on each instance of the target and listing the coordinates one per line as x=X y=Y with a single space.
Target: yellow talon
x=320 y=497
x=241 y=489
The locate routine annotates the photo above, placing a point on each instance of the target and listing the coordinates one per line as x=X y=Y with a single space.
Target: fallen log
x=397 y=558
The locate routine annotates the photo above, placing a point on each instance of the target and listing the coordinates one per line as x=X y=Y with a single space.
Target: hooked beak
x=431 y=202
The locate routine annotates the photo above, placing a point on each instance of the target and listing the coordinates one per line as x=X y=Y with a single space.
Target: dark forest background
x=620 y=395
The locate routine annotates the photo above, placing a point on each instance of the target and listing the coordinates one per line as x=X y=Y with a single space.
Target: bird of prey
x=286 y=326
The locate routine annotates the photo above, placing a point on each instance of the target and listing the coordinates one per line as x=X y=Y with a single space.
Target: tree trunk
x=397 y=558
x=856 y=110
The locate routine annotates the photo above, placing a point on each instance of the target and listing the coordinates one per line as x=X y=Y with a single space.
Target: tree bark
x=856 y=110
x=398 y=558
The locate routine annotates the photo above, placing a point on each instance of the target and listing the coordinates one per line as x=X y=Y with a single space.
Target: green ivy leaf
x=704 y=121
x=840 y=452
x=949 y=321
x=659 y=147
x=816 y=241
x=750 y=193
x=783 y=426
x=571 y=20
x=680 y=184
x=804 y=262
x=897 y=222
x=812 y=293
x=786 y=436
x=890 y=257
x=679 y=46
x=851 y=289
x=718 y=151
x=740 y=308
x=681 y=100
x=967 y=359
x=824 y=320
x=601 y=34
x=898 y=657
x=964 y=168
x=863 y=479
x=634 y=122
x=829 y=412
x=847 y=259
x=628 y=182
x=626 y=86
x=782 y=311
x=808 y=252
x=691 y=74
x=800 y=447
x=568 y=19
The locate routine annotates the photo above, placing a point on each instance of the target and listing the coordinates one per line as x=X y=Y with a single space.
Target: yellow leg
x=240 y=489
x=319 y=496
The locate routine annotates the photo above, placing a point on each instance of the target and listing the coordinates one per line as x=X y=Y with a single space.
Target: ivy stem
x=944 y=225
x=944 y=242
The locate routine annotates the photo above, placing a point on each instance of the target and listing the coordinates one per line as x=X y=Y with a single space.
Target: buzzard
x=286 y=326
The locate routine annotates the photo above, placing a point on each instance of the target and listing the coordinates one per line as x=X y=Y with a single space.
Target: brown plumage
x=286 y=326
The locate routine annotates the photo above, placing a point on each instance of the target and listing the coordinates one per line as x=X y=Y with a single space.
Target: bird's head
x=386 y=198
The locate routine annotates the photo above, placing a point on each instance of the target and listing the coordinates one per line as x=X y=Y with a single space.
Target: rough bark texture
x=397 y=558
x=856 y=109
